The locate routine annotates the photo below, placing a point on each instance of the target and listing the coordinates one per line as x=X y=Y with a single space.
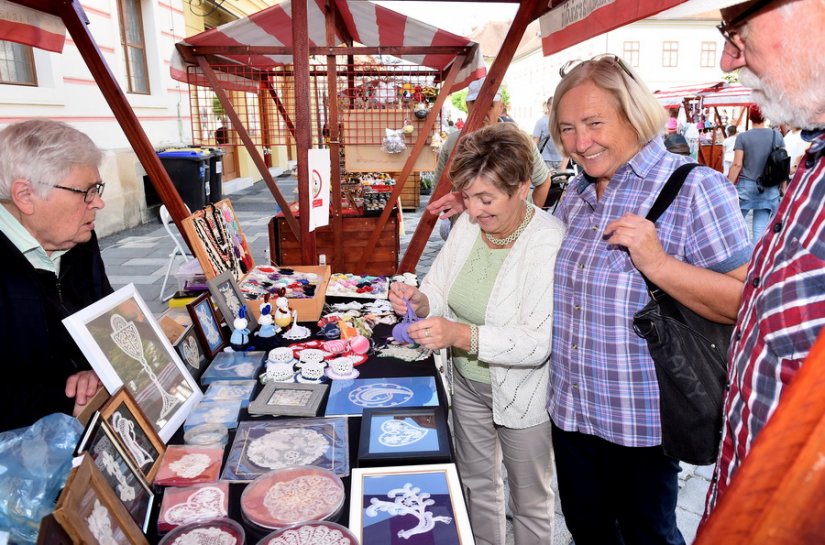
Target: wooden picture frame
x=288 y=399
x=424 y=492
x=117 y=469
x=403 y=436
x=125 y=346
x=137 y=436
x=189 y=349
x=90 y=512
x=205 y=227
x=228 y=297
x=206 y=325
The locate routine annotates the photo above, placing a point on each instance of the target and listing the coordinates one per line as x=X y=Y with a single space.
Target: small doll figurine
x=267 y=329
x=240 y=337
x=283 y=314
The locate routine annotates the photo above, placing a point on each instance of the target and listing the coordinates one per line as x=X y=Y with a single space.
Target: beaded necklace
x=528 y=215
x=212 y=232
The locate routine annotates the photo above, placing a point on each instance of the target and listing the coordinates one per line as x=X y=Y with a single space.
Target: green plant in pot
x=426 y=182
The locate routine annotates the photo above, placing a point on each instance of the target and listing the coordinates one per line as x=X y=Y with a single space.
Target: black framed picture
x=206 y=325
x=403 y=435
x=191 y=353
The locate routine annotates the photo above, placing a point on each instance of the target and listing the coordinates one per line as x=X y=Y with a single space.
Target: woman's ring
x=427 y=332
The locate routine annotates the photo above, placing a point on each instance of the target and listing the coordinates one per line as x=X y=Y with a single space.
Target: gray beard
x=777 y=106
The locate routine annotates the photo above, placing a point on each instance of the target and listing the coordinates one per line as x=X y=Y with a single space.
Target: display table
x=383 y=258
x=374 y=367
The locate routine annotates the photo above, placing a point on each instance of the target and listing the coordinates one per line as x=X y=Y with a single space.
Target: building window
x=134 y=46
x=630 y=55
x=17 y=64
x=670 y=54
x=708 y=55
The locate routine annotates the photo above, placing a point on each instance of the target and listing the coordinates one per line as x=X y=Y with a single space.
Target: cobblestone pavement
x=141 y=256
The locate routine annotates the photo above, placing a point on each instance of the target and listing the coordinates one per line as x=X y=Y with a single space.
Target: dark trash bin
x=190 y=173
x=215 y=174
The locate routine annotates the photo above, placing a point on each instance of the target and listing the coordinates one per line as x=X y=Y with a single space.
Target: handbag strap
x=663 y=201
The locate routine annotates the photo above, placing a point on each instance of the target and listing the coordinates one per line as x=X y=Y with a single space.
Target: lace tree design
x=408 y=500
x=126 y=336
x=124 y=489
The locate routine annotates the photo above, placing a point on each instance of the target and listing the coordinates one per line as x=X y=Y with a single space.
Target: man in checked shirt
x=777 y=47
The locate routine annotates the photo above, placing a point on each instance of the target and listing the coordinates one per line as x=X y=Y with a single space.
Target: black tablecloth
x=374 y=367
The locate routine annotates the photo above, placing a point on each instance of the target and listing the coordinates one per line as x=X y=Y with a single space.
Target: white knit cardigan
x=518 y=323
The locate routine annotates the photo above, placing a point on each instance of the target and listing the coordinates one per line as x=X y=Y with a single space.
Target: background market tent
x=248 y=54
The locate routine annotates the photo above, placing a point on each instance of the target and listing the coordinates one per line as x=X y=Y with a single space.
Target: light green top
x=468 y=300
x=27 y=244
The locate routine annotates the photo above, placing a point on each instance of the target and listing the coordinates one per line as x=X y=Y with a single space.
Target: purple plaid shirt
x=603 y=381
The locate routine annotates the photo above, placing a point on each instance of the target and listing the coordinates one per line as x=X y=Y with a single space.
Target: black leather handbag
x=690 y=355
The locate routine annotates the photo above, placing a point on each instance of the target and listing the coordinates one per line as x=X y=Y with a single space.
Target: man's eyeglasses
x=88 y=194
x=606 y=57
x=730 y=29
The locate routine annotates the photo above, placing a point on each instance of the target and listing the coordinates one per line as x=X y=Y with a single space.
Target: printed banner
x=319 y=180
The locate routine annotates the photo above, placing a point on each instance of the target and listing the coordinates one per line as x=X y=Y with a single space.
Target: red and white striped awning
x=727 y=95
x=368 y=24
x=28 y=26
x=577 y=20
x=674 y=96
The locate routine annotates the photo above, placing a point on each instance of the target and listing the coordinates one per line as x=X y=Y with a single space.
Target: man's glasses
x=614 y=60
x=730 y=29
x=88 y=194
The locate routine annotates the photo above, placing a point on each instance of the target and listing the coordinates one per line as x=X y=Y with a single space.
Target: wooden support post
x=527 y=11
x=237 y=124
x=300 y=58
x=76 y=23
x=420 y=142
x=281 y=109
x=337 y=220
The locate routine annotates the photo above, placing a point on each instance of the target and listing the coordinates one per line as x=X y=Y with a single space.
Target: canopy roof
x=365 y=23
x=712 y=94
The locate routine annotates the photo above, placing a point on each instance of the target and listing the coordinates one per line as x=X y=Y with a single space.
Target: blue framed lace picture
x=260 y=447
x=409 y=504
x=233 y=366
x=411 y=435
x=351 y=397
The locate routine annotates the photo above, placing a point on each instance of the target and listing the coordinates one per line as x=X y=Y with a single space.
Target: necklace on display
x=528 y=215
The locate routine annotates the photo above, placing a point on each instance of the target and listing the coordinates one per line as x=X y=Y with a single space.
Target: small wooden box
x=383 y=258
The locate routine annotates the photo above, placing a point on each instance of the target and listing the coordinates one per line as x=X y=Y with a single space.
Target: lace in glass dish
x=292 y=495
x=311 y=533
x=220 y=531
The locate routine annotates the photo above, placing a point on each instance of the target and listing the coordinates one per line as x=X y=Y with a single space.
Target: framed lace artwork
x=260 y=447
x=123 y=477
x=192 y=504
x=351 y=397
x=89 y=511
x=394 y=506
x=403 y=436
x=287 y=399
x=190 y=352
x=234 y=366
x=229 y=299
x=207 y=327
x=126 y=347
x=137 y=436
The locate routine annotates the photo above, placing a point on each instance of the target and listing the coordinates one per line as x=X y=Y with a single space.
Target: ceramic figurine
x=240 y=337
x=283 y=314
x=267 y=329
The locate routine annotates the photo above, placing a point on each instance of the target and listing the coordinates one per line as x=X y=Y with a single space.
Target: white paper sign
x=319 y=180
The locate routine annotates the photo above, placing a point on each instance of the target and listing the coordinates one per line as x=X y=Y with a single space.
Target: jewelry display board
x=218 y=240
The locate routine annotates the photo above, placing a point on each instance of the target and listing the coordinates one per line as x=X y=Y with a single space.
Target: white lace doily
x=190 y=465
x=204 y=504
x=100 y=525
x=400 y=433
x=297 y=332
x=308 y=497
x=384 y=394
x=206 y=536
x=311 y=534
x=289 y=447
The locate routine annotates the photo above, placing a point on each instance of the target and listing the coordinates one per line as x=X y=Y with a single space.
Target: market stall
x=376 y=105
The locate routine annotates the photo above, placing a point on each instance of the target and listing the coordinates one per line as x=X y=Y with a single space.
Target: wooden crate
x=383 y=259
x=411 y=194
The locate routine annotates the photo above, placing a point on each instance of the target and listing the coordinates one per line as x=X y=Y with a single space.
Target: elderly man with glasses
x=777 y=48
x=50 y=191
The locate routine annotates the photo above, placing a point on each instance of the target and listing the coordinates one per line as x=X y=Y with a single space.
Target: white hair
x=44 y=152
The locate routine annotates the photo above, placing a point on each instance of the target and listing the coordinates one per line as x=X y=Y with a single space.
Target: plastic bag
x=393 y=141
x=34 y=464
